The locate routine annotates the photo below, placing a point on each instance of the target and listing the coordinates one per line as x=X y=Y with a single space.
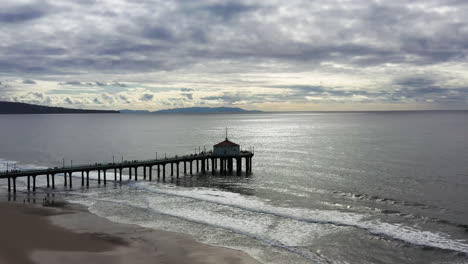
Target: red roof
x=226 y=143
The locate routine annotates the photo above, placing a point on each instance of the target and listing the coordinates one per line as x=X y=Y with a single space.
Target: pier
x=213 y=161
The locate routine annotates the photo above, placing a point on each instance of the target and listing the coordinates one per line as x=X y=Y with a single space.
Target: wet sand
x=71 y=234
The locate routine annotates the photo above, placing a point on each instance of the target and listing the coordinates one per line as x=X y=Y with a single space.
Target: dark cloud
x=159 y=33
x=37 y=95
x=415 y=82
x=20 y=13
x=188 y=95
x=305 y=88
x=354 y=39
x=29 y=82
x=68 y=100
x=125 y=99
x=108 y=98
x=147 y=97
x=419 y=89
x=143 y=40
x=71 y=83
x=119 y=84
x=28 y=48
x=228 y=10
x=101 y=84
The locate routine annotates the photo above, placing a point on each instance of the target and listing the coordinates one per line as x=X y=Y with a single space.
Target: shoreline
x=69 y=233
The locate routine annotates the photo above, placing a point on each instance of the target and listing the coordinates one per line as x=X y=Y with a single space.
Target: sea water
x=369 y=187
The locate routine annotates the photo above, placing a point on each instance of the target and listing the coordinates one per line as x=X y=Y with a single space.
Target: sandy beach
x=70 y=234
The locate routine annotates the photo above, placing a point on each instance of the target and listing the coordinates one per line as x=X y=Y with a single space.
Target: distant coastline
x=196 y=110
x=23 y=108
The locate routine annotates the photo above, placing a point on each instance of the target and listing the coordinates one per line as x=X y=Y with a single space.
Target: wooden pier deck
x=203 y=163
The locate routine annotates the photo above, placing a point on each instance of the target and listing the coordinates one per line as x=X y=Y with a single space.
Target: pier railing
x=202 y=160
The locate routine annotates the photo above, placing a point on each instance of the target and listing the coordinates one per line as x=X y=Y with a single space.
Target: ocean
x=357 y=187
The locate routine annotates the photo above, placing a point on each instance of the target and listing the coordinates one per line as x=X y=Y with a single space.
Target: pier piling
x=224 y=163
x=177 y=167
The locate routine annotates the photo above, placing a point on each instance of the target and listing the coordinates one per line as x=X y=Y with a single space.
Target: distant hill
x=134 y=111
x=207 y=110
x=22 y=108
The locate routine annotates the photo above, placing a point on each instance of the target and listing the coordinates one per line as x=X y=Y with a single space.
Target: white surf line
x=406 y=234
x=421 y=238
x=304 y=253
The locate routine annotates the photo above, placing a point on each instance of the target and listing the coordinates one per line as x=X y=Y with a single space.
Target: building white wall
x=226 y=151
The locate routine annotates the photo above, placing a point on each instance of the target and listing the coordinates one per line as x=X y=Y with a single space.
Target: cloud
x=107 y=98
x=71 y=83
x=98 y=101
x=147 y=97
x=303 y=88
x=119 y=84
x=78 y=83
x=68 y=100
x=188 y=95
x=239 y=51
x=232 y=98
x=125 y=99
x=364 y=35
x=416 y=81
x=228 y=10
x=158 y=32
x=29 y=82
x=17 y=13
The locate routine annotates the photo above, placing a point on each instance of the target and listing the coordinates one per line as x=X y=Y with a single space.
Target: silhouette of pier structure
x=193 y=163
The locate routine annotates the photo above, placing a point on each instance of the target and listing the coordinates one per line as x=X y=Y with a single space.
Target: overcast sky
x=267 y=55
